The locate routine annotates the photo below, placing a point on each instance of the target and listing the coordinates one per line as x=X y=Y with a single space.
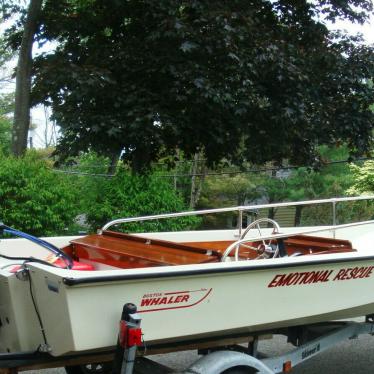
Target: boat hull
x=186 y=303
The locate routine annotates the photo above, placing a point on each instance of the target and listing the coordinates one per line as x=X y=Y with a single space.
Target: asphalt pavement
x=349 y=357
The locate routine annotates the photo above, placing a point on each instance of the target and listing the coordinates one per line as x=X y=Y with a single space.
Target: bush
x=33 y=198
x=127 y=195
x=363 y=178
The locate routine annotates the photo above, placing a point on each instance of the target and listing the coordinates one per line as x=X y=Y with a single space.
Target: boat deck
x=129 y=251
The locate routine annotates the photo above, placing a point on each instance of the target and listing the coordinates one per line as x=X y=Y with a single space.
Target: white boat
x=67 y=296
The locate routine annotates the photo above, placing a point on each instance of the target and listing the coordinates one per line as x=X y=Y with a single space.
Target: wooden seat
x=128 y=251
x=306 y=244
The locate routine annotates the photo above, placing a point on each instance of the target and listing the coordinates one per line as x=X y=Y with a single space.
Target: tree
x=21 y=121
x=259 y=81
x=225 y=190
x=229 y=190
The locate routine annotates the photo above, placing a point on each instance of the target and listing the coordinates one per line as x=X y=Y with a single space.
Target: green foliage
x=40 y=201
x=274 y=189
x=333 y=179
x=149 y=76
x=6 y=54
x=127 y=195
x=5 y=134
x=91 y=187
x=6 y=106
x=329 y=181
x=6 y=103
x=363 y=178
x=90 y=162
x=346 y=212
x=33 y=198
x=226 y=190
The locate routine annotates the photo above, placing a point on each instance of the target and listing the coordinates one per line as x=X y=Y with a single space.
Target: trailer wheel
x=96 y=368
x=240 y=370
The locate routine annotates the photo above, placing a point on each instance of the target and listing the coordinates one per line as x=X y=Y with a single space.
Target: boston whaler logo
x=152 y=302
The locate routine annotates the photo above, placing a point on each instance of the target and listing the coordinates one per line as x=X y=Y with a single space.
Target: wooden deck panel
x=129 y=251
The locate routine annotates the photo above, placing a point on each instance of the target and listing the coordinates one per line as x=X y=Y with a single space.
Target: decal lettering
x=151 y=302
x=320 y=276
x=310 y=351
x=362 y=272
x=164 y=300
x=145 y=302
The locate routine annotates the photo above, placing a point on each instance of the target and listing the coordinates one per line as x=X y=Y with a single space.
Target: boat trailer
x=309 y=340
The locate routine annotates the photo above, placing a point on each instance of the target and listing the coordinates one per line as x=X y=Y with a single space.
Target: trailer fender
x=219 y=361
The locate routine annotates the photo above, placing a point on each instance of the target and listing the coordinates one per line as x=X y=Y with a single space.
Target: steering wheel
x=265 y=249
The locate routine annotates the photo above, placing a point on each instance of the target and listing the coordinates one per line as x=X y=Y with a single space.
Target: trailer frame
x=309 y=341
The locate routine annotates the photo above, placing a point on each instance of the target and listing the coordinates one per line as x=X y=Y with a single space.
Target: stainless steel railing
x=240 y=210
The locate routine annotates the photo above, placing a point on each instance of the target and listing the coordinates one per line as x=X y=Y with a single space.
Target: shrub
x=33 y=198
x=363 y=178
x=127 y=195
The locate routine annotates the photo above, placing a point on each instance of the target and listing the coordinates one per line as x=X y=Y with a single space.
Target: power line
x=83 y=173
x=248 y=171
x=156 y=163
x=262 y=170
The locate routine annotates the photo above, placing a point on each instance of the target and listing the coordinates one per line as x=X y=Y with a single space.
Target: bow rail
x=240 y=210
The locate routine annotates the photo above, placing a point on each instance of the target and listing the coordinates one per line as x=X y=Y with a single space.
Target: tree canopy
x=246 y=80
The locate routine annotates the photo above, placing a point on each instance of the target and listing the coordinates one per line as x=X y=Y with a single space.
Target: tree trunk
x=193 y=178
x=21 y=121
x=298 y=210
x=271 y=215
x=197 y=184
x=199 y=187
x=113 y=163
